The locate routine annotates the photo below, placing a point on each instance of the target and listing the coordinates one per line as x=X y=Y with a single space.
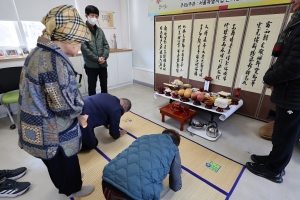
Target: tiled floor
x=239 y=140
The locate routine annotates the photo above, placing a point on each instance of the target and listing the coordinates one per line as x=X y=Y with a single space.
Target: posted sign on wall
x=166 y=7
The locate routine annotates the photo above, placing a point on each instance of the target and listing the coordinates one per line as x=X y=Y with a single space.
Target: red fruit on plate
x=194 y=96
x=200 y=97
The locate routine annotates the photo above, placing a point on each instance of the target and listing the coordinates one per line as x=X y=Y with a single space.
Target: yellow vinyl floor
x=206 y=174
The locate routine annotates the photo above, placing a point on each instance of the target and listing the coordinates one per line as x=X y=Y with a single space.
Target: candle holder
x=207 y=81
x=235 y=101
x=238 y=92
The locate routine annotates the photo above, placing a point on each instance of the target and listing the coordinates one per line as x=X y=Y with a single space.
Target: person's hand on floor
x=122 y=132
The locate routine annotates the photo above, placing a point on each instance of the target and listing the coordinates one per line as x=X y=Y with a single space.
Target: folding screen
x=163 y=43
x=233 y=47
x=229 y=36
x=202 y=44
x=264 y=25
x=181 y=46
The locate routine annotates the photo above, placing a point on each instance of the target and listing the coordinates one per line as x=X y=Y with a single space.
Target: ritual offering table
x=226 y=112
x=180 y=114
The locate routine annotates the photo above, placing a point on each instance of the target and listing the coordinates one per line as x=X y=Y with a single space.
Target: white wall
x=35 y=10
x=141 y=34
x=143 y=75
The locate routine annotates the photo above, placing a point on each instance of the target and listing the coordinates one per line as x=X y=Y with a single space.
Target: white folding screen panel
x=228 y=41
x=182 y=28
x=203 y=36
x=262 y=34
x=163 y=42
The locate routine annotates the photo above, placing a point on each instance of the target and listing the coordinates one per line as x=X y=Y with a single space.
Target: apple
x=200 y=97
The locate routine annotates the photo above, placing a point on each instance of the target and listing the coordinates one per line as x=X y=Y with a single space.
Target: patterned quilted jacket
x=49 y=103
x=140 y=169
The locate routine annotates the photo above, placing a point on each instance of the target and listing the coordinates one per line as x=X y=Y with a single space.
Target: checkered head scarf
x=64 y=24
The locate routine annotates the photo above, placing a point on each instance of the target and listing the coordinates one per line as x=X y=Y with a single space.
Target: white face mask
x=92 y=20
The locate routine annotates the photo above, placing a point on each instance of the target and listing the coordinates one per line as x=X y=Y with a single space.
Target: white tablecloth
x=223 y=115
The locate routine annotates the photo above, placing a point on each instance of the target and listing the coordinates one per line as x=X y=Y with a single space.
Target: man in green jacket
x=95 y=52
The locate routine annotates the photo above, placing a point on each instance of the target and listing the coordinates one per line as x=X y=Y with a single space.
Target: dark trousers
x=89 y=140
x=285 y=135
x=92 y=75
x=65 y=173
x=112 y=193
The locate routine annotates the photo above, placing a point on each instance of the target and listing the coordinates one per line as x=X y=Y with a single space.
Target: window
x=9 y=36
x=32 y=31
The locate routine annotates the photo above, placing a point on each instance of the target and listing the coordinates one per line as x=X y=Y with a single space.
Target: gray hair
x=127 y=103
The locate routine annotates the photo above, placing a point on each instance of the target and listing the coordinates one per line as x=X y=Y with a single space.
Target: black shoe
x=13 y=174
x=260 y=170
x=259 y=159
x=262 y=160
x=11 y=188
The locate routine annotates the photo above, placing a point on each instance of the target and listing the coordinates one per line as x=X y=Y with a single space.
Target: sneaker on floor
x=262 y=160
x=260 y=170
x=85 y=191
x=11 y=188
x=13 y=174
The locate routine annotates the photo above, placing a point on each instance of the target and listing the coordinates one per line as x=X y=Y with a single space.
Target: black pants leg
x=89 y=140
x=285 y=135
x=103 y=79
x=92 y=75
x=65 y=173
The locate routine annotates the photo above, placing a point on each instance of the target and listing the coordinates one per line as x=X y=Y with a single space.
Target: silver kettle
x=212 y=129
x=197 y=124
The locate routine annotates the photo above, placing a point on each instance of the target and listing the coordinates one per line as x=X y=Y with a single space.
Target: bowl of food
x=171 y=86
x=168 y=92
x=177 y=82
x=175 y=94
x=185 y=86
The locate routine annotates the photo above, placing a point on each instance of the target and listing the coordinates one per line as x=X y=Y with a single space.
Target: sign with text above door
x=166 y=7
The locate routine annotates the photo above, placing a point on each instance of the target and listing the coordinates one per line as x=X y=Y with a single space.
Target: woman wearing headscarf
x=49 y=101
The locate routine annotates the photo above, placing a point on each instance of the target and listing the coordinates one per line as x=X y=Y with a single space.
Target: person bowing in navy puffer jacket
x=138 y=171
